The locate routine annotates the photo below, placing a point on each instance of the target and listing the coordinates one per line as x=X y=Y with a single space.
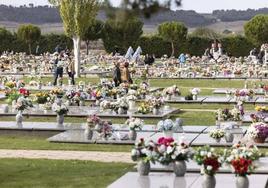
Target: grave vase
x=168 y=134
x=6 y=109
x=19 y=118
x=89 y=133
x=121 y=110
x=132 y=134
x=259 y=140
x=156 y=111
x=242 y=182
x=218 y=140
x=229 y=137
x=131 y=104
x=60 y=120
x=179 y=168
x=194 y=97
x=168 y=97
x=209 y=181
x=143 y=168
x=81 y=103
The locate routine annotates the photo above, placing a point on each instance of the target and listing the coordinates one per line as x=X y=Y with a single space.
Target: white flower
x=209 y=167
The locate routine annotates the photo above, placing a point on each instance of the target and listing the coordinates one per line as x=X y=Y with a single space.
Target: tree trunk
x=77 y=42
x=172 y=47
x=30 y=48
x=87 y=45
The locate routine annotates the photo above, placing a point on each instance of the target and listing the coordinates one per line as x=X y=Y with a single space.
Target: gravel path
x=122 y=157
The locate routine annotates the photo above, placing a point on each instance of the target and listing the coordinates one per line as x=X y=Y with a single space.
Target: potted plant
x=167 y=127
x=144 y=152
x=210 y=163
x=217 y=134
x=258 y=132
x=134 y=124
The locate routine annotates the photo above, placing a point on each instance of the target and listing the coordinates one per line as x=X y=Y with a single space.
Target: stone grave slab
x=181 y=99
x=10 y=125
x=154 y=180
x=217 y=99
x=209 y=128
x=262 y=100
x=254 y=100
x=78 y=136
x=247 y=118
x=186 y=137
x=224 y=90
x=228 y=180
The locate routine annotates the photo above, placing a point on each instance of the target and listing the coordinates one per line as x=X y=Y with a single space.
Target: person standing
x=71 y=71
x=125 y=75
x=58 y=70
x=117 y=75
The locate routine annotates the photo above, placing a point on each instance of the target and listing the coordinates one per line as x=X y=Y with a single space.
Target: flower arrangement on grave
x=242 y=161
x=10 y=84
x=24 y=92
x=20 y=83
x=144 y=152
x=258 y=132
x=79 y=98
x=93 y=120
x=167 y=127
x=134 y=123
x=217 y=134
x=121 y=105
x=144 y=108
x=60 y=109
x=47 y=106
x=209 y=160
x=228 y=115
x=156 y=102
x=105 y=129
x=263 y=109
x=133 y=86
x=104 y=105
x=12 y=95
x=23 y=103
x=58 y=92
x=131 y=96
x=257 y=118
x=41 y=97
x=173 y=90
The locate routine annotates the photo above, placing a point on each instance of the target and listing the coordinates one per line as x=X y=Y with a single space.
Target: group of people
x=121 y=73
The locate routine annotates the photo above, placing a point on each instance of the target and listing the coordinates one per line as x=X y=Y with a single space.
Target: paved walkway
x=123 y=157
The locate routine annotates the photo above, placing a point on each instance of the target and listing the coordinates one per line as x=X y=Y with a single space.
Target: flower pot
x=97 y=103
x=168 y=134
x=179 y=168
x=209 y=181
x=229 y=137
x=132 y=134
x=6 y=109
x=60 y=120
x=168 y=97
x=19 y=118
x=156 y=111
x=82 y=103
x=121 y=111
x=132 y=104
x=259 y=140
x=242 y=182
x=143 y=168
x=218 y=140
x=89 y=133
x=194 y=97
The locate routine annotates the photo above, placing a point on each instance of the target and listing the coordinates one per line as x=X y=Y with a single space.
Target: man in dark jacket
x=117 y=75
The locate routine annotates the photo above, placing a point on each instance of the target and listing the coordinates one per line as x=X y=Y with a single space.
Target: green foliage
x=29 y=34
x=206 y=33
x=6 y=38
x=173 y=32
x=121 y=34
x=197 y=45
x=77 y=15
x=256 y=29
x=237 y=45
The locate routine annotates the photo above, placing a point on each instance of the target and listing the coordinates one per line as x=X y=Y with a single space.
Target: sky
x=201 y=6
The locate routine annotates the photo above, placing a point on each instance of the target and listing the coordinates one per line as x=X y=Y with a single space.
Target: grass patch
x=17 y=173
x=38 y=142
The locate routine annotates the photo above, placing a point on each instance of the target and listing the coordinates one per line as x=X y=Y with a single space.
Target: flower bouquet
x=144 y=152
x=10 y=84
x=217 y=134
x=262 y=109
x=258 y=132
x=195 y=92
x=155 y=104
x=144 y=108
x=93 y=120
x=134 y=124
x=58 y=92
x=210 y=162
x=60 y=109
x=241 y=159
x=23 y=103
x=41 y=97
x=167 y=127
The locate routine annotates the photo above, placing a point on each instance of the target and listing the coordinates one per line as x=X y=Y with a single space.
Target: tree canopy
x=256 y=29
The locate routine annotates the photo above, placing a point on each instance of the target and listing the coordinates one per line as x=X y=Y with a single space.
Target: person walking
x=71 y=71
x=117 y=75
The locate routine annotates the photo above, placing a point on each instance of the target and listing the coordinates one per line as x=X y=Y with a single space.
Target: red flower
x=241 y=165
x=212 y=161
x=24 y=92
x=165 y=141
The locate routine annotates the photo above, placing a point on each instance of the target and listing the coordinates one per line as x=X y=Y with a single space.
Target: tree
x=6 y=39
x=256 y=30
x=29 y=34
x=76 y=15
x=121 y=34
x=206 y=33
x=93 y=32
x=173 y=32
